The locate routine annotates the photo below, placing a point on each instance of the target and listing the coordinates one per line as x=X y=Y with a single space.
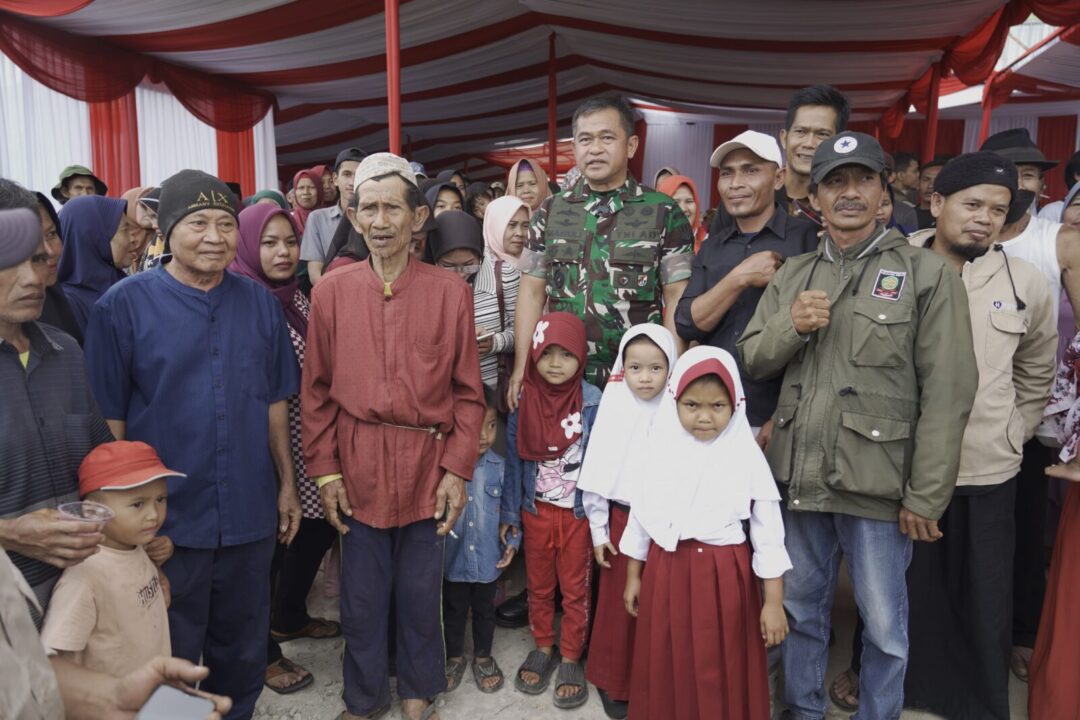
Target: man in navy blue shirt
x=197 y=362
x=739 y=257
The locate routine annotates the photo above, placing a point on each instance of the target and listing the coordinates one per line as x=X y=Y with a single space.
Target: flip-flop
x=571 y=674
x=311 y=630
x=541 y=664
x=373 y=715
x=838 y=699
x=455 y=670
x=285 y=665
x=482 y=671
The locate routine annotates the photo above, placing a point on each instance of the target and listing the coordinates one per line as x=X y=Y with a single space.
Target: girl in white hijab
x=702 y=631
x=630 y=401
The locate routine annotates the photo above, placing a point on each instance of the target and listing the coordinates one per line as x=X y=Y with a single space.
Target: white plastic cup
x=86 y=511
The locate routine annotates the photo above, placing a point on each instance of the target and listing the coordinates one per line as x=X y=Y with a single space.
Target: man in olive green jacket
x=873 y=339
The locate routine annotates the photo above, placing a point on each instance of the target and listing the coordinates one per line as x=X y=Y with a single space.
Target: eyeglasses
x=463 y=270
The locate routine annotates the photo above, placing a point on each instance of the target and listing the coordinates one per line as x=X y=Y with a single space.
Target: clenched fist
x=810 y=311
x=758 y=269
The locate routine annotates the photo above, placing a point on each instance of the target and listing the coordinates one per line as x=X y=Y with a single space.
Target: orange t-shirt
x=110 y=611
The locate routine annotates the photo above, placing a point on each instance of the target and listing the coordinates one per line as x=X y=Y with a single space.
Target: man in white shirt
x=1052 y=211
x=322 y=223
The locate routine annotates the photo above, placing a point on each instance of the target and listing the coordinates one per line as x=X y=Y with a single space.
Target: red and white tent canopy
x=475 y=74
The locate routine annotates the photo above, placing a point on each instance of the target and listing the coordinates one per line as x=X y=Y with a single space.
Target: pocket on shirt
x=1003 y=336
x=879 y=333
x=493 y=501
x=253 y=376
x=633 y=271
x=429 y=369
x=872 y=455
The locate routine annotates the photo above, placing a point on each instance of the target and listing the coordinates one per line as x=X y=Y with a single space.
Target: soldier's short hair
x=902 y=160
x=13 y=195
x=819 y=95
x=607 y=102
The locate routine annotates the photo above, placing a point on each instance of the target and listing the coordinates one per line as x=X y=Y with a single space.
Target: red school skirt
x=698 y=652
x=611 y=647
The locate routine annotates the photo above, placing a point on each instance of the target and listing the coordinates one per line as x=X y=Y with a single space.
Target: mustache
x=849 y=205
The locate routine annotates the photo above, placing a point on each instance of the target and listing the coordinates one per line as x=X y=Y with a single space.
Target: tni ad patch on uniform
x=889 y=285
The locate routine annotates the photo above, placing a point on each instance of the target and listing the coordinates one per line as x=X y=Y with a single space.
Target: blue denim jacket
x=473 y=554
x=521 y=474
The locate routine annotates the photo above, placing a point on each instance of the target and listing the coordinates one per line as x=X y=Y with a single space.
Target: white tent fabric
x=171 y=139
x=41 y=131
x=266 y=170
x=461 y=58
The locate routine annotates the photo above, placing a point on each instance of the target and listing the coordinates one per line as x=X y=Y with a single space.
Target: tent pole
x=393 y=75
x=932 y=115
x=553 y=97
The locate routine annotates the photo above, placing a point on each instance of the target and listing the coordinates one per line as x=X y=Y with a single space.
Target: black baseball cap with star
x=847 y=148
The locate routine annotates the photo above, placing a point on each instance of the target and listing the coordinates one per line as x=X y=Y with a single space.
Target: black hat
x=978 y=168
x=190 y=191
x=1016 y=144
x=847 y=148
x=350 y=153
x=456 y=230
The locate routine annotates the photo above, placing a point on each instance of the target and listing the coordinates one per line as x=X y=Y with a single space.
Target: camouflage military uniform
x=606 y=257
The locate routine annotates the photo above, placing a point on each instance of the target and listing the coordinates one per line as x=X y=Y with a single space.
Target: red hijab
x=300 y=215
x=549 y=416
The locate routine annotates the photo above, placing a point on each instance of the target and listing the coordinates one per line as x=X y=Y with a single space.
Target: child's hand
x=598 y=551
x=160 y=549
x=504 y=528
x=774 y=625
x=507 y=556
x=631 y=594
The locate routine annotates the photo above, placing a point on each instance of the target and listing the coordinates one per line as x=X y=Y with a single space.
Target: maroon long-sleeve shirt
x=374 y=362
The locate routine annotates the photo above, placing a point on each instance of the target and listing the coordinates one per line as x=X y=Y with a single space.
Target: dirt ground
x=322 y=700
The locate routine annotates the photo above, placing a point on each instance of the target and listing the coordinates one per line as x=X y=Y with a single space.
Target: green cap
x=71 y=171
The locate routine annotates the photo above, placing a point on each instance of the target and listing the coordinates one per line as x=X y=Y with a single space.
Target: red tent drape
x=114 y=137
x=1057 y=140
x=44 y=8
x=92 y=70
x=950 y=139
x=236 y=158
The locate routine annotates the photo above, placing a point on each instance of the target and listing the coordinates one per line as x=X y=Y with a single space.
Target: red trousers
x=558 y=550
x=611 y=649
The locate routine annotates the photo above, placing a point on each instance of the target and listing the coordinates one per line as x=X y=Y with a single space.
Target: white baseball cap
x=762 y=145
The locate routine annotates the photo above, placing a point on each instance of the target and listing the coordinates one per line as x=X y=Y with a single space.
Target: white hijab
x=688 y=488
x=622 y=422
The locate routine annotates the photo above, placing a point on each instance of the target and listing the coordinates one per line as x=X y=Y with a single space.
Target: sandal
x=373 y=715
x=455 y=670
x=840 y=700
x=487 y=669
x=615 y=709
x=571 y=674
x=316 y=629
x=541 y=664
x=281 y=666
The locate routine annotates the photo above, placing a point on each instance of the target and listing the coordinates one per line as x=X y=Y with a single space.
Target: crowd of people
x=680 y=420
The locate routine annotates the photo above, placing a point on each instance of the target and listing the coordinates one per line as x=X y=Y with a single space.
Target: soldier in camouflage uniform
x=614 y=257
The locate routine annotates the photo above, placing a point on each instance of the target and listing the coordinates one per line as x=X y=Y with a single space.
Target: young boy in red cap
x=108 y=613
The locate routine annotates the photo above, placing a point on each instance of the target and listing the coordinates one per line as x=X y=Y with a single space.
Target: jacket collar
x=582 y=193
x=881 y=239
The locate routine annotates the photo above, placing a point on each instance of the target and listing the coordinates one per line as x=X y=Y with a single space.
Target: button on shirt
x=48 y=423
x=721 y=252
x=193 y=374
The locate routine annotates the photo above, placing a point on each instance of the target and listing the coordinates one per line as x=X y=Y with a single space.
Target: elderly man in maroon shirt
x=392 y=407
